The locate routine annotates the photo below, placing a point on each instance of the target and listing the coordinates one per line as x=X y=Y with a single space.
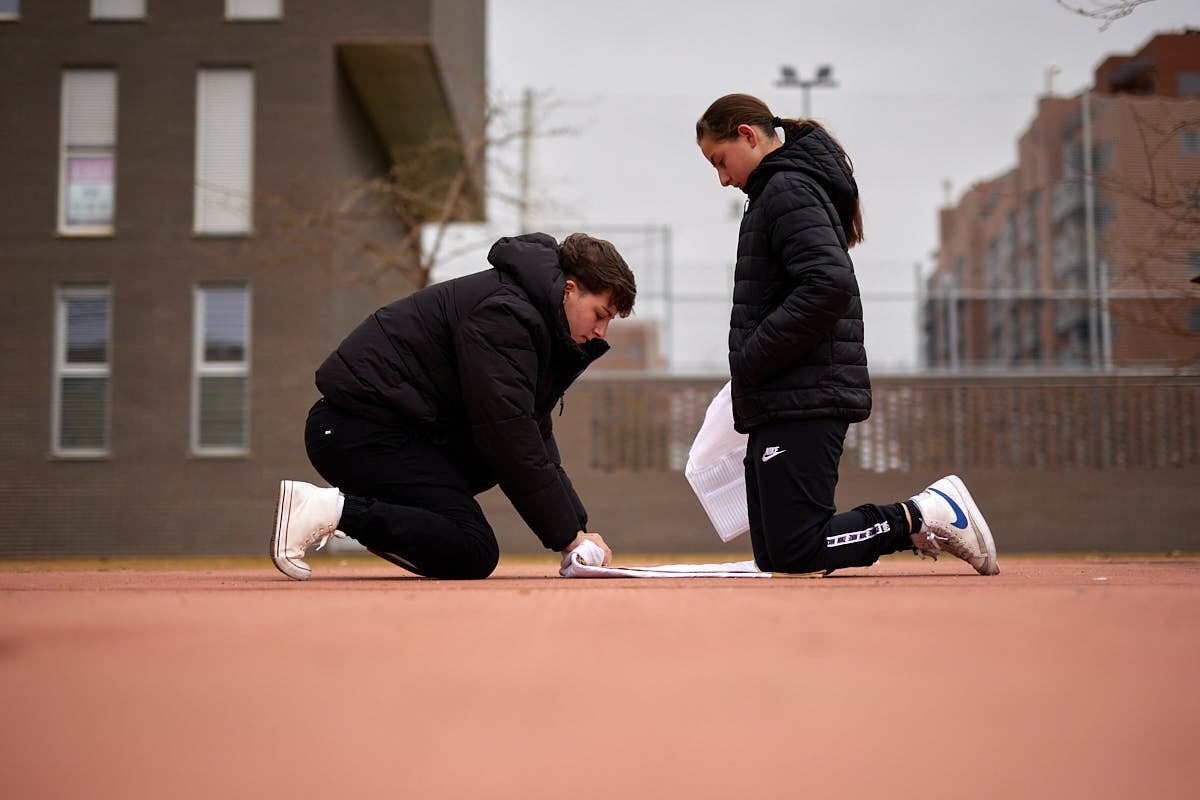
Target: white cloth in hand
x=586 y=561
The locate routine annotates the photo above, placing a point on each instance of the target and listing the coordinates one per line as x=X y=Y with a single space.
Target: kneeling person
x=446 y=393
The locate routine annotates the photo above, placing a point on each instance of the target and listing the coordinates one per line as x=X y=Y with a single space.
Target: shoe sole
x=983 y=533
x=279 y=557
x=395 y=559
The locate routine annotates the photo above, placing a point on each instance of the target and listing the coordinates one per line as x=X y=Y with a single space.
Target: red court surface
x=1061 y=677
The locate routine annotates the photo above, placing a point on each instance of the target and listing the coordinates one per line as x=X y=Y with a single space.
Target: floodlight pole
x=789 y=78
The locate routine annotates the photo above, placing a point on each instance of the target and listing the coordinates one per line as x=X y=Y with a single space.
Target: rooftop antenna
x=1051 y=71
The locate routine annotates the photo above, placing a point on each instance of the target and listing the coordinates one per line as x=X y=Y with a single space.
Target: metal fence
x=1061 y=463
x=989 y=422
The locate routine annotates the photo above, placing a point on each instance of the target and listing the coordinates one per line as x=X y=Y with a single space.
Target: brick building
x=179 y=178
x=1053 y=264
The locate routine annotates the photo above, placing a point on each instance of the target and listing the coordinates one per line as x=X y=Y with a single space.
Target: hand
x=596 y=539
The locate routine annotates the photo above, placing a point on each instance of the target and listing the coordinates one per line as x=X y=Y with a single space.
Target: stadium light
x=789 y=78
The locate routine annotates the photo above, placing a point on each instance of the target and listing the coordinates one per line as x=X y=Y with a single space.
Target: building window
x=1191 y=141
x=88 y=157
x=82 y=357
x=224 y=151
x=1192 y=264
x=253 y=9
x=221 y=370
x=1188 y=84
x=10 y=9
x=118 y=9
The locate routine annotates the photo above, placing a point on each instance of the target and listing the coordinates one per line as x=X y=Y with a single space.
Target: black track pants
x=791 y=476
x=405 y=495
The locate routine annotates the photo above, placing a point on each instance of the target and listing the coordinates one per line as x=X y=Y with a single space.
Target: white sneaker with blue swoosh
x=953 y=524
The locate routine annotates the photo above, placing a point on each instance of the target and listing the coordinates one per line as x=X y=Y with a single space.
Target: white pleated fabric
x=715 y=470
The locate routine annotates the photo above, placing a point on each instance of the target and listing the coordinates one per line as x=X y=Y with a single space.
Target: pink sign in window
x=90 y=170
x=89 y=196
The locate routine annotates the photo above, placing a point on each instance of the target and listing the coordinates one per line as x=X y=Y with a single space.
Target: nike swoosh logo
x=960 y=519
x=771 y=452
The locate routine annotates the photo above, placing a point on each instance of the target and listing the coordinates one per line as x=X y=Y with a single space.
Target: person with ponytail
x=797 y=362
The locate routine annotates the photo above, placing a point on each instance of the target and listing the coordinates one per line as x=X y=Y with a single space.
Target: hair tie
x=776 y=122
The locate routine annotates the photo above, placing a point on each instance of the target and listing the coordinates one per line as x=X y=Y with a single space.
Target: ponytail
x=794 y=129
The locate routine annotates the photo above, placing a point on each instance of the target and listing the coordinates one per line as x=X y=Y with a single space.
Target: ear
x=749 y=133
x=570 y=287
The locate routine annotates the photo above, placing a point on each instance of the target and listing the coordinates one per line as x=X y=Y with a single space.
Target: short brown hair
x=597 y=267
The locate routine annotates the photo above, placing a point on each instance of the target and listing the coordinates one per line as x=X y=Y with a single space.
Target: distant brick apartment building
x=178 y=179
x=1053 y=265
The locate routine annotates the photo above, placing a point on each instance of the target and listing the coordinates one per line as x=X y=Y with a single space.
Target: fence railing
x=938 y=423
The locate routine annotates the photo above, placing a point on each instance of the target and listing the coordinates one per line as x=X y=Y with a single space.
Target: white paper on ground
x=585 y=562
x=715 y=470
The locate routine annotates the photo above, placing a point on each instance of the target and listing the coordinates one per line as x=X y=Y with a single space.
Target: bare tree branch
x=377 y=225
x=1150 y=291
x=1108 y=12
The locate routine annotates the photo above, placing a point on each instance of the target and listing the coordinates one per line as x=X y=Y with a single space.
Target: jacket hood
x=814 y=154
x=532 y=261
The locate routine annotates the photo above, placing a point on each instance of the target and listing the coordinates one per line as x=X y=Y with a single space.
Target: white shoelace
x=950 y=543
x=325 y=538
x=928 y=545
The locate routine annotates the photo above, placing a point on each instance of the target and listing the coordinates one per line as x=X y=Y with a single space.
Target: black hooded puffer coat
x=796 y=332
x=479 y=361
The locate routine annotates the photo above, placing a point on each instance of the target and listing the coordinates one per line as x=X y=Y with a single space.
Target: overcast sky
x=928 y=91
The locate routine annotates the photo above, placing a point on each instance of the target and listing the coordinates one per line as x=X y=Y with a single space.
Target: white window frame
x=201 y=368
x=64 y=369
x=253 y=10
x=67 y=151
x=224 y=205
x=123 y=11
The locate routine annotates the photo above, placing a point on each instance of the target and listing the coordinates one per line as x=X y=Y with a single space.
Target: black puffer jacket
x=796 y=331
x=479 y=362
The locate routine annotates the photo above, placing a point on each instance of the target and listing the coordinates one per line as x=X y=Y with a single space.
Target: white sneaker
x=953 y=524
x=305 y=515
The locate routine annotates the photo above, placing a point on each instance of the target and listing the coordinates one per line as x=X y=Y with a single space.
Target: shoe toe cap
x=294 y=568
